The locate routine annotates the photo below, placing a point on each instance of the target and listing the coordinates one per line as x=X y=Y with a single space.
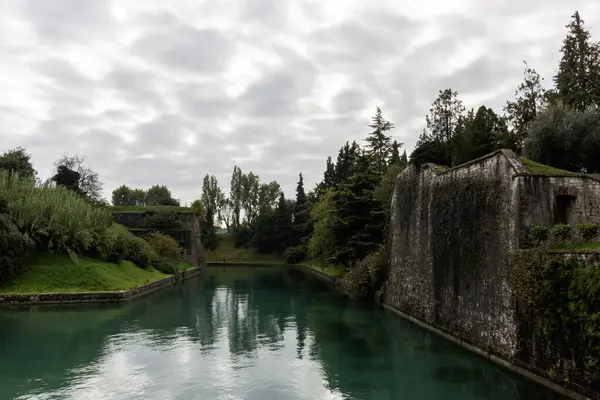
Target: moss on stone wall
x=559 y=310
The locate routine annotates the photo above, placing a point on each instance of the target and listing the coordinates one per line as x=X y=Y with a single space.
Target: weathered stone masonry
x=452 y=234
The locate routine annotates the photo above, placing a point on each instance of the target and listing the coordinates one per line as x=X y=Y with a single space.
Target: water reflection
x=239 y=334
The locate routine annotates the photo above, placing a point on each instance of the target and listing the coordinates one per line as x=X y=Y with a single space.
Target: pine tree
x=403 y=159
x=578 y=78
x=329 y=177
x=378 y=143
x=301 y=211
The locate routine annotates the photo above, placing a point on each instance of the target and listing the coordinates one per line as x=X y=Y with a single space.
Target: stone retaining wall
x=91 y=297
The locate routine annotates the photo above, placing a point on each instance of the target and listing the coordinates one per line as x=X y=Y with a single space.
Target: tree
x=212 y=198
x=529 y=102
x=235 y=196
x=226 y=213
x=321 y=244
x=89 y=182
x=121 y=196
x=403 y=159
x=17 y=161
x=477 y=135
x=578 y=78
x=160 y=196
x=138 y=197
x=301 y=211
x=268 y=194
x=250 y=201
x=68 y=178
x=565 y=138
x=395 y=157
x=344 y=166
x=379 y=145
x=445 y=117
x=198 y=208
x=329 y=177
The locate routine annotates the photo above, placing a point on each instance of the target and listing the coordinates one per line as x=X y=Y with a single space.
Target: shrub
x=163 y=220
x=113 y=245
x=14 y=248
x=294 y=255
x=366 y=277
x=53 y=216
x=539 y=234
x=140 y=252
x=166 y=266
x=165 y=246
x=241 y=236
x=561 y=232
x=587 y=231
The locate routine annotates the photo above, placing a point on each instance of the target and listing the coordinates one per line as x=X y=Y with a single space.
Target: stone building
x=453 y=230
x=188 y=235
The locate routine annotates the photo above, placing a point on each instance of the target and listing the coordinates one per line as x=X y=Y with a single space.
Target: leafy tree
x=198 y=208
x=321 y=244
x=529 y=102
x=89 y=182
x=160 y=196
x=226 y=213
x=121 y=196
x=379 y=144
x=250 y=201
x=477 y=135
x=68 y=178
x=138 y=197
x=268 y=194
x=17 y=161
x=578 y=78
x=445 y=117
x=566 y=138
x=235 y=196
x=212 y=197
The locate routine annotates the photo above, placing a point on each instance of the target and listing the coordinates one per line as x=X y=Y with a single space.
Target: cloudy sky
x=164 y=92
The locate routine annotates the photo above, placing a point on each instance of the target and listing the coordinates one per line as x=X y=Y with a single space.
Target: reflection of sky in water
x=245 y=338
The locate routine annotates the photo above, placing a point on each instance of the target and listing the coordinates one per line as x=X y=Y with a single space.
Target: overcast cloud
x=156 y=92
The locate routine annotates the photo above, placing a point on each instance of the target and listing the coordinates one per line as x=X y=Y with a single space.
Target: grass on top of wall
x=136 y=209
x=55 y=273
x=534 y=167
x=577 y=246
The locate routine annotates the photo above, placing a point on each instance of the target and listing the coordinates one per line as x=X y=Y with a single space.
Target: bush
x=163 y=220
x=366 y=277
x=587 y=231
x=539 y=234
x=561 y=232
x=241 y=236
x=165 y=246
x=166 y=266
x=140 y=252
x=113 y=245
x=294 y=255
x=53 y=216
x=14 y=248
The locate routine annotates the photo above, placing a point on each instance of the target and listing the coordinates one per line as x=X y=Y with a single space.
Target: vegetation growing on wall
x=560 y=301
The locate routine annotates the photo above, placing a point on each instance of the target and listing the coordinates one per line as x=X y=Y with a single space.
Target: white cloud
x=202 y=85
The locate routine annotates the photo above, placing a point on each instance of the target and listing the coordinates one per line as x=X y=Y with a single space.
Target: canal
x=235 y=333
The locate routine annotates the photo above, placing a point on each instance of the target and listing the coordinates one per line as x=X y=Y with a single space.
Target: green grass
x=440 y=169
x=135 y=209
x=183 y=266
x=227 y=253
x=329 y=270
x=537 y=168
x=580 y=246
x=53 y=273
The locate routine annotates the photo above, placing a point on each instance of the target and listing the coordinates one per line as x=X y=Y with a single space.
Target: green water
x=255 y=334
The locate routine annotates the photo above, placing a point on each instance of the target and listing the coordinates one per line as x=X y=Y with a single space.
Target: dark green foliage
x=88 y=183
x=366 y=278
x=329 y=177
x=241 y=236
x=379 y=145
x=358 y=219
x=14 y=248
x=477 y=135
x=294 y=255
x=68 y=178
x=160 y=196
x=113 y=246
x=395 y=157
x=344 y=167
x=17 y=161
x=578 y=77
x=565 y=138
x=301 y=216
x=162 y=220
x=561 y=299
x=587 y=231
x=539 y=234
x=139 y=252
x=521 y=112
x=126 y=196
x=166 y=266
x=164 y=246
x=431 y=151
x=273 y=231
x=561 y=232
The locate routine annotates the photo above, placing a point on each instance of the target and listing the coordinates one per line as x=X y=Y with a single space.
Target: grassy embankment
x=228 y=253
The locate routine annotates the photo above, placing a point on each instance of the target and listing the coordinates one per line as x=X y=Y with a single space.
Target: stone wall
x=451 y=237
x=538 y=194
x=188 y=236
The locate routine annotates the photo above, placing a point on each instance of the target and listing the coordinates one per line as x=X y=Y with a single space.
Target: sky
x=164 y=92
